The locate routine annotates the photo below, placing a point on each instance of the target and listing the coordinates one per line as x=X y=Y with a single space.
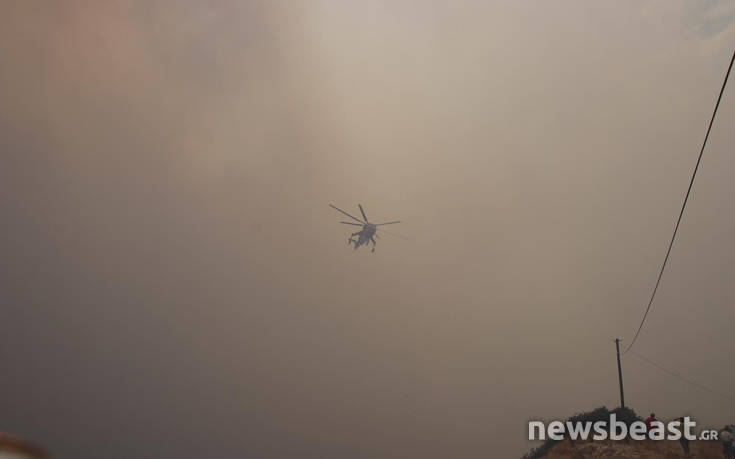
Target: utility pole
x=620 y=374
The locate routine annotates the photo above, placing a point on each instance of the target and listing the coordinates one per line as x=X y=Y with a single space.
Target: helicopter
x=367 y=233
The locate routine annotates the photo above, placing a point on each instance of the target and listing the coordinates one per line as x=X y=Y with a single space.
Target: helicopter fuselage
x=364 y=236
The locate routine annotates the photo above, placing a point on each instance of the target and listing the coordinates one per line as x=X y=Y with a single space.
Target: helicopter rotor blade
x=388 y=223
x=363 y=212
x=382 y=231
x=350 y=223
x=340 y=210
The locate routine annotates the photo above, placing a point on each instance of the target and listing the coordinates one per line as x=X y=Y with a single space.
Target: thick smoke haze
x=174 y=284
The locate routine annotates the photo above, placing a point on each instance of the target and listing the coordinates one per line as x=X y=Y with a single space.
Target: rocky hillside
x=634 y=449
x=607 y=449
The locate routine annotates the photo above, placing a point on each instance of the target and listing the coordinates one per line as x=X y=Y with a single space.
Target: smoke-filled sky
x=174 y=284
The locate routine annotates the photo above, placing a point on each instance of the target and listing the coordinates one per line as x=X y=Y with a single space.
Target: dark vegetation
x=625 y=415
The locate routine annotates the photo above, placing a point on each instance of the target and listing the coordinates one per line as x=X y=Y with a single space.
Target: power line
x=681 y=213
x=682 y=378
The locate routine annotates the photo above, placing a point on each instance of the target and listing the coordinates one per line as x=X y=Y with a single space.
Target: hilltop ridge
x=609 y=449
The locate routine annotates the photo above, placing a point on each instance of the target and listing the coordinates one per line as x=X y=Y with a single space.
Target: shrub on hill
x=625 y=415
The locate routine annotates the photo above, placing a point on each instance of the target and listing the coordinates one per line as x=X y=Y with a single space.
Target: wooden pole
x=620 y=374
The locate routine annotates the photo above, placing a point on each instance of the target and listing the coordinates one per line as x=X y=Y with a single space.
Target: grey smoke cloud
x=175 y=284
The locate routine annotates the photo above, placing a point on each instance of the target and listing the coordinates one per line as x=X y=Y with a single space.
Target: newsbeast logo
x=617 y=430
